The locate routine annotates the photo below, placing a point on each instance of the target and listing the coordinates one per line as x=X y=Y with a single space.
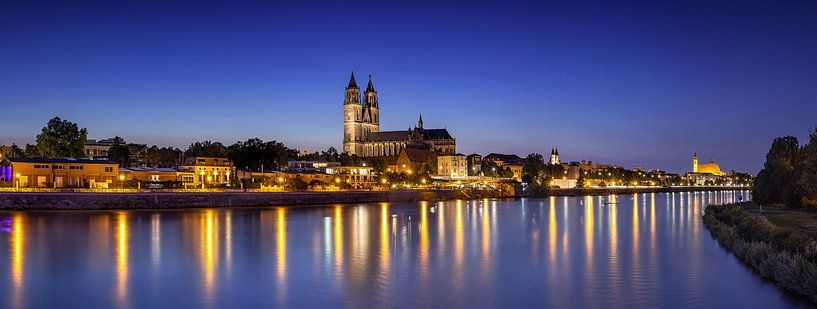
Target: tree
x=774 y=182
x=299 y=184
x=119 y=152
x=16 y=152
x=162 y=157
x=580 y=180
x=804 y=178
x=490 y=169
x=430 y=167
x=379 y=166
x=31 y=151
x=256 y=154
x=206 y=149
x=61 y=138
x=532 y=168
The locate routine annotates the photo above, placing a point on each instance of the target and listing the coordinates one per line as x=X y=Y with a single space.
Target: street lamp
x=202 y=180
x=228 y=178
x=122 y=182
x=18 y=181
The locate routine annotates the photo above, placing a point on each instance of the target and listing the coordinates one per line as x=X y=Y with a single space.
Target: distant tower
x=695 y=163
x=554 y=156
x=352 y=119
x=420 y=122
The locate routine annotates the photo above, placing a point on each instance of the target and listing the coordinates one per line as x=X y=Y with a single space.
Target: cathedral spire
x=420 y=122
x=352 y=83
x=370 y=87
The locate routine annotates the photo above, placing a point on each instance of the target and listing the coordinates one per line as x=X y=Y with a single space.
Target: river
x=618 y=251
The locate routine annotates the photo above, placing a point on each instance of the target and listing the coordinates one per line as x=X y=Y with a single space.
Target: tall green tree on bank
x=16 y=151
x=805 y=175
x=774 y=182
x=533 y=170
x=254 y=154
x=206 y=149
x=61 y=138
x=162 y=157
x=119 y=152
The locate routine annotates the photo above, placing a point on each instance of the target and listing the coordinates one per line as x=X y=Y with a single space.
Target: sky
x=630 y=83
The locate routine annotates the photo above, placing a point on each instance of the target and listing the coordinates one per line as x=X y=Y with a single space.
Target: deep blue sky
x=636 y=83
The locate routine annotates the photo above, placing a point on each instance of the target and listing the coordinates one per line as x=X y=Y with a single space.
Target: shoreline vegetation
x=782 y=254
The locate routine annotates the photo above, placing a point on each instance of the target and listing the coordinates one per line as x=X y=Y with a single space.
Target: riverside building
x=58 y=173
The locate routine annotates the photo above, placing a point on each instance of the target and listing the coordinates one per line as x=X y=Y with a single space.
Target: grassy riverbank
x=800 y=220
x=782 y=254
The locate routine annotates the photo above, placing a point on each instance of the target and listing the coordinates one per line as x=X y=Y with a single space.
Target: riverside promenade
x=170 y=200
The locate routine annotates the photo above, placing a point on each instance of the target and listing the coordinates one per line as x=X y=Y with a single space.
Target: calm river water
x=642 y=250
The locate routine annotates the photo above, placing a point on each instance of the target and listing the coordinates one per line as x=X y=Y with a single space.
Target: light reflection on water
x=640 y=250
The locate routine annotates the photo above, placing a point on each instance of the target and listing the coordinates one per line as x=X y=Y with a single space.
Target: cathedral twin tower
x=362 y=135
x=359 y=119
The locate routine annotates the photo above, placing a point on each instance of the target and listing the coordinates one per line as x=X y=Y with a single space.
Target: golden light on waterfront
x=281 y=245
x=338 y=236
x=552 y=229
x=18 y=241
x=459 y=245
x=652 y=216
x=385 y=245
x=155 y=239
x=635 y=225
x=209 y=249
x=423 y=254
x=588 y=226
x=122 y=257
x=613 y=225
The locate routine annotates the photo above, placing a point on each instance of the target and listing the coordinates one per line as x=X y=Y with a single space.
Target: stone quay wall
x=607 y=191
x=168 y=200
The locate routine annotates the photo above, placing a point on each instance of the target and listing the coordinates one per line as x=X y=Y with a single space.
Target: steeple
x=420 y=122
x=370 y=96
x=352 y=93
x=370 y=87
x=695 y=162
x=352 y=83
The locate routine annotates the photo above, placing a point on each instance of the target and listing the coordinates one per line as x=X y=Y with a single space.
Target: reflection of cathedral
x=362 y=135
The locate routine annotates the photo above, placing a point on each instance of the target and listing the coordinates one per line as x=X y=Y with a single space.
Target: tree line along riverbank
x=785 y=254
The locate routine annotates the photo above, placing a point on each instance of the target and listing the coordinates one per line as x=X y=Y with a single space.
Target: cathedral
x=362 y=135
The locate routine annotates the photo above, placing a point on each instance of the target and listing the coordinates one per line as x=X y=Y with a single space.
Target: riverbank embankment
x=780 y=254
x=167 y=200
x=633 y=190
